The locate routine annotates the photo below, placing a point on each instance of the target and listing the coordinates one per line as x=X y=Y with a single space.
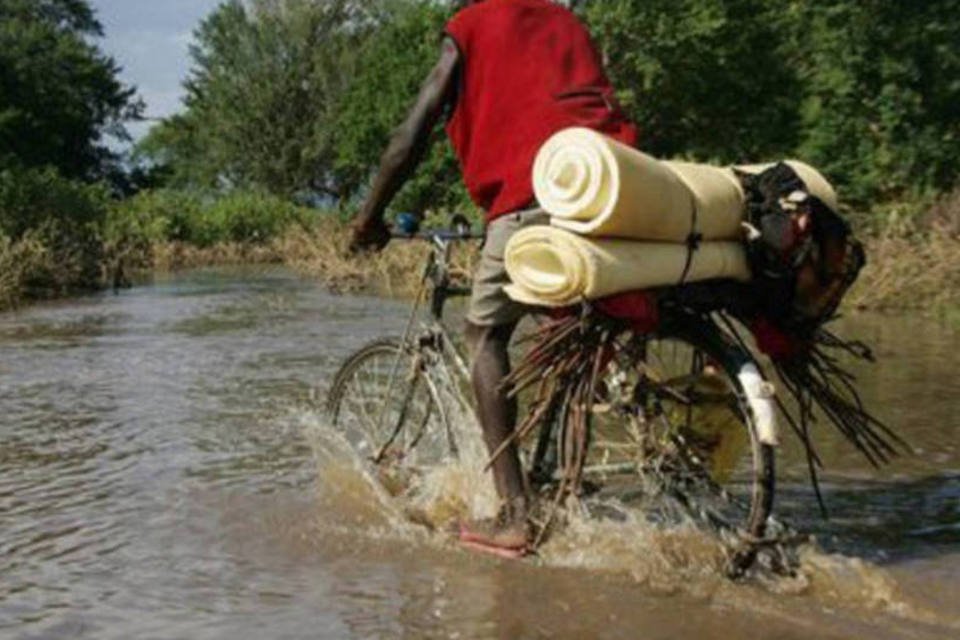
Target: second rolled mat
x=596 y=186
x=555 y=268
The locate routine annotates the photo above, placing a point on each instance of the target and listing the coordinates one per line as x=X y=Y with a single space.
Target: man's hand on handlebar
x=369 y=234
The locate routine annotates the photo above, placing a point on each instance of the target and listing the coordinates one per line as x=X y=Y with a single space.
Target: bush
x=31 y=198
x=153 y=216
x=20 y=262
x=41 y=208
x=203 y=220
x=245 y=217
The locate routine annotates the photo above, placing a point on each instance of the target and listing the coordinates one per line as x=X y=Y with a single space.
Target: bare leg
x=497 y=412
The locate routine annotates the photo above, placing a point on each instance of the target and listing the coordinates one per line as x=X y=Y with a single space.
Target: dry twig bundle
x=570 y=356
x=564 y=367
x=818 y=378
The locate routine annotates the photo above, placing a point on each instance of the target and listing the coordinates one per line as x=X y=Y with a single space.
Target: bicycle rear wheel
x=387 y=407
x=673 y=408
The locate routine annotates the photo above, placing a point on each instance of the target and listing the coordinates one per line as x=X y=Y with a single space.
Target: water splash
x=669 y=556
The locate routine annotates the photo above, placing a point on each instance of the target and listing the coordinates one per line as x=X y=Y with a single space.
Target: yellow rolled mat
x=554 y=268
x=593 y=185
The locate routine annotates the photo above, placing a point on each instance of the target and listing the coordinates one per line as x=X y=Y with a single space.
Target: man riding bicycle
x=511 y=74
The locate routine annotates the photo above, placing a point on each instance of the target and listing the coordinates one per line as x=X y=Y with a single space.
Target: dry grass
x=916 y=273
x=914 y=262
x=35 y=268
x=19 y=261
x=907 y=270
x=170 y=256
x=322 y=253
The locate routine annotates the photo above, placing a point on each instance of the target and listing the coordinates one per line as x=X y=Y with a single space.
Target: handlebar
x=446 y=235
x=408 y=228
x=437 y=268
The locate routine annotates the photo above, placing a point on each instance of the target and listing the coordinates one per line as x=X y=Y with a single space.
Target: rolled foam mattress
x=593 y=185
x=553 y=267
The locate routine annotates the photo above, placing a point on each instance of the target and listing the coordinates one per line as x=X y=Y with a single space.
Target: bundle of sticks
x=817 y=378
x=564 y=368
x=569 y=358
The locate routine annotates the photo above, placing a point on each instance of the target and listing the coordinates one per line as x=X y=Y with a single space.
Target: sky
x=150 y=40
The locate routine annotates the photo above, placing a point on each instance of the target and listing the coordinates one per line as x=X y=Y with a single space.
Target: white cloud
x=150 y=39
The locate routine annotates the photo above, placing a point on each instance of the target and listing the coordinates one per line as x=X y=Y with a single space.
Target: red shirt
x=528 y=70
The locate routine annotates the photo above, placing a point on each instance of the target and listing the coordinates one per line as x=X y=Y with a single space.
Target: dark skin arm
x=407 y=147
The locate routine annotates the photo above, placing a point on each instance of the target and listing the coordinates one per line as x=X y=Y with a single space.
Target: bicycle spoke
x=400 y=431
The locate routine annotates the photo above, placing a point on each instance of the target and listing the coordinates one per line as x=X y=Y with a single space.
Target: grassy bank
x=915 y=272
x=321 y=252
x=60 y=237
x=918 y=274
x=30 y=270
x=913 y=258
x=913 y=255
x=913 y=262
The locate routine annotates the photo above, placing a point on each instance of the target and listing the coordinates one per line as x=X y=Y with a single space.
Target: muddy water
x=165 y=473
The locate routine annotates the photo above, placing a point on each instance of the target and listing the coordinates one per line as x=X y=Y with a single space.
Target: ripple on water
x=161 y=474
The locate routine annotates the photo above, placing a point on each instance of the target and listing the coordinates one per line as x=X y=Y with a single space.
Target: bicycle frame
x=692 y=315
x=436 y=278
x=436 y=335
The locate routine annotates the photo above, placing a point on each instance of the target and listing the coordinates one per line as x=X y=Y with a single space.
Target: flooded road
x=162 y=476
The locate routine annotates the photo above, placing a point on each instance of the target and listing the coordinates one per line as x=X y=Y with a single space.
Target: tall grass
x=58 y=236
x=913 y=258
x=174 y=255
x=20 y=261
x=913 y=261
x=322 y=252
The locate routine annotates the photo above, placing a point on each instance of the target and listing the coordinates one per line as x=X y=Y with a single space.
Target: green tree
x=702 y=78
x=882 y=93
x=297 y=96
x=59 y=94
x=301 y=95
x=175 y=150
x=265 y=77
x=394 y=60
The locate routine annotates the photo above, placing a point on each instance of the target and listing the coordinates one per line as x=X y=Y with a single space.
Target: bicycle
x=658 y=390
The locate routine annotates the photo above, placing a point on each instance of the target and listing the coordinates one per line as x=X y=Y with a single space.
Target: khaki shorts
x=489 y=303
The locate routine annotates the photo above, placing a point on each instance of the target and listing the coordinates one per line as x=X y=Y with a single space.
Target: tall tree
x=394 y=60
x=296 y=95
x=60 y=96
x=266 y=75
x=882 y=93
x=702 y=78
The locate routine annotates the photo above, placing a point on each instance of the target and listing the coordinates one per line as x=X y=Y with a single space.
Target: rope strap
x=693 y=243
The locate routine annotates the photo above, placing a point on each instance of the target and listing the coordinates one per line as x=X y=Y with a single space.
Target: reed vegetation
x=59 y=236
x=913 y=261
x=913 y=258
x=322 y=252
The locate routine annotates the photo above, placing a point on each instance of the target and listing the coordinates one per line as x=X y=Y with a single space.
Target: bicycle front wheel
x=387 y=407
